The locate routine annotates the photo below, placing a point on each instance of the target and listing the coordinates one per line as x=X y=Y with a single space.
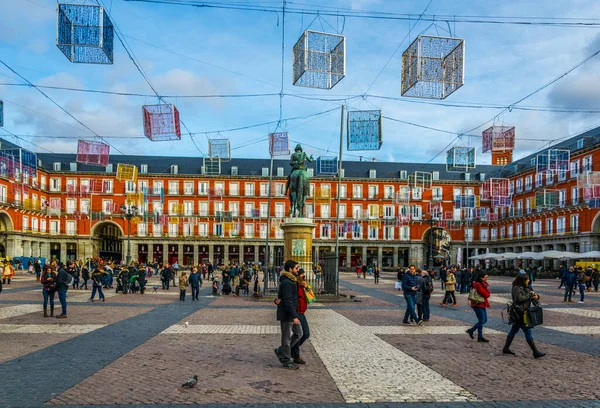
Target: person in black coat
x=62 y=285
x=287 y=305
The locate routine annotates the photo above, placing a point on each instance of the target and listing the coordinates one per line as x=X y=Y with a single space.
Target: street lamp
x=431 y=223
x=129 y=212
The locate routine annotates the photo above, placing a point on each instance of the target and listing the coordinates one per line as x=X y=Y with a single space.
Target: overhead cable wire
x=25 y=140
x=58 y=105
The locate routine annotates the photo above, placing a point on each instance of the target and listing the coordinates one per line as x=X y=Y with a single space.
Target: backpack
x=70 y=279
x=428 y=286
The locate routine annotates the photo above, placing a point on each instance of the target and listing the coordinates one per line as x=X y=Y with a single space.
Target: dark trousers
x=526 y=331
x=568 y=291
x=305 y=335
x=62 y=296
x=195 y=291
x=581 y=291
x=181 y=294
x=423 y=310
x=100 y=294
x=376 y=279
x=83 y=284
x=290 y=334
x=449 y=296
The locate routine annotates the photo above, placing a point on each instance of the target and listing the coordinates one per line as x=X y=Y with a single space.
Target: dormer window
x=580 y=144
x=234 y=170
x=372 y=174
x=73 y=166
x=265 y=172
x=144 y=168
x=174 y=169
x=56 y=166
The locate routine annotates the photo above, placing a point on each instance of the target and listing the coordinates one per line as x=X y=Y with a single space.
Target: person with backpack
x=482 y=288
x=425 y=288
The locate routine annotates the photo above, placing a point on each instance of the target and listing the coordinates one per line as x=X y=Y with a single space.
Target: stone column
x=241 y=254
x=196 y=255
x=134 y=251
x=348 y=256
x=395 y=257
x=211 y=253
x=364 y=255
x=63 y=251
x=379 y=256
x=256 y=254
x=180 y=254
x=226 y=254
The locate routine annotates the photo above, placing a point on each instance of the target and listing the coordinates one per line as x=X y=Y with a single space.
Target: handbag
x=398 y=285
x=534 y=316
x=475 y=297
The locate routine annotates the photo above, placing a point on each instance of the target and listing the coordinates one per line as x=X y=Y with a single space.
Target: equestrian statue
x=298 y=183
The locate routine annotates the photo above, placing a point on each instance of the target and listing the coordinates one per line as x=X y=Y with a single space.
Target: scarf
x=290 y=276
x=309 y=295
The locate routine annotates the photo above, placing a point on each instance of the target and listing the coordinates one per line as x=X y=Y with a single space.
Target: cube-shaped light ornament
x=126 y=172
x=460 y=159
x=319 y=60
x=433 y=67
x=498 y=139
x=364 y=130
x=279 y=144
x=92 y=153
x=84 y=33
x=161 y=122
x=327 y=165
x=219 y=149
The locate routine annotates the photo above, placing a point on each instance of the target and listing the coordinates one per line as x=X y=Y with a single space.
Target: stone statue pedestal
x=297 y=242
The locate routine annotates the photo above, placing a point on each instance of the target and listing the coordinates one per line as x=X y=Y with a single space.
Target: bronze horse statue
x=298 y=184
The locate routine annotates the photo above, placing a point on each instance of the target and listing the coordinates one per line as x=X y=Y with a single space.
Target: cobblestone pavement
x=138 y=349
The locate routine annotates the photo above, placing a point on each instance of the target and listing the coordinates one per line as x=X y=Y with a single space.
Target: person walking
x=443 y=276
x=450 y=286
x=376 y=275
x=562 y=274
x=364 y=271
x=570 y=280
x=183 y=282
x=581 y=280
x=287 y=315
x=481 y=286
x=85 y=276
x=37 y=267
x=425 y=288
x=62 y=286
x=595 y=278
x=409 y=289
x=195 y=281
x=97 y=280
x=303 y=288
x=48 y=280
x=522 y=296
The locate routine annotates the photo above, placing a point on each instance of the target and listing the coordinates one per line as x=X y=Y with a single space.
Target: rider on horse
x=297 y=162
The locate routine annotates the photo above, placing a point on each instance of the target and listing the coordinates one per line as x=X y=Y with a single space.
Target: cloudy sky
x=191 y=51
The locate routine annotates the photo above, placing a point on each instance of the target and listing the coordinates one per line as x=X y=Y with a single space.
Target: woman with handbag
x=48 y=280
x=478 y=296
x=522 y=298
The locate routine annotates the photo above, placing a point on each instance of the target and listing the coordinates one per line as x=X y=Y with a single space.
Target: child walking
x=183 y=282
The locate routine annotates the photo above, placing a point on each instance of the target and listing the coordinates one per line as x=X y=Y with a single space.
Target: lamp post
x=431 y=223
x=129 y=212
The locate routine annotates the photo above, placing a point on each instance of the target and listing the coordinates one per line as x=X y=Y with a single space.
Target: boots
x=51 y=311
x=536 y=352
x=45 y=312
x=506 y=349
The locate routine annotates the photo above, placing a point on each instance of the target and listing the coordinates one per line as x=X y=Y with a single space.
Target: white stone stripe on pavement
x=86 y=297
x=578 y=312
x=367 y=369
x=221 y=329
x=19 y=310
x=49 y=328
x=576 y=329
x=424 y=329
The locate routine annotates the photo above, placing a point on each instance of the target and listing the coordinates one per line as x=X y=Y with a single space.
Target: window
x=372 y=174
x=173 y=187
x=469 y=234
x=56 y=166
x=519 y=230
x=417 y=193
x=435 y=175
x=502 y=232
x=388 y=192
x=373 y=232
x=580 y=144
x=549 y=225
x=234 y=208
x=249 y=230
x=574 y=168
x=587 y=163
x=372 y=191
x=219 y=207
x=174 y=208
x=343 y=191
x=528 y=184
x=157 y=230
x=55 y=184
x=539 y=177
x=262 y=228
x=342 y=210
x=54 y=227
x=549 y=178
x=519 y=210
x=357 y=211
x=519 y=185
x=264 y=189
x=373 y=210
x=265 y=172
x=279 y=210
x=188 y=229
x=72 y=166
x=202 y=188
x=249 y=189
x=493 y=234
x=71 y=230
x=388 y=232
x=25 y=223
x=142 y=229
x=310 y=172
x=129 y=187
x=510 y=230
x=234 y=189
x=279 y=190
x=108 y=185
x=173 y=230
x=144 y=168
x=575 y=223
x=562 y=198
x=42 y=225
x=532 y=161
x=436 y=193
x=157 y=187
x=574 y=195
x=188 y=187
x=537 y=227
x=325 y=232
x=71 y=205
x=404 y=193
x=357 y=191
x=84 y=206
x=483 y=234
x=388 y=211
x=174 y=169
x=203 y=229
x=561 y=225
x=234 y=170
x=188 y=208
x=528 y=206
x=416 y=212
x=264 y=209
x=203 y=209
x=109 y=168
x=511 y=187
x=248 y=210
x=325 y=211
x=404 y=233
x=403 y=174
x=279 y=171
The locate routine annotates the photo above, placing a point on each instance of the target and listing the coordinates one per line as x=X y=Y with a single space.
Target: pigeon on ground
x=191 y=383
